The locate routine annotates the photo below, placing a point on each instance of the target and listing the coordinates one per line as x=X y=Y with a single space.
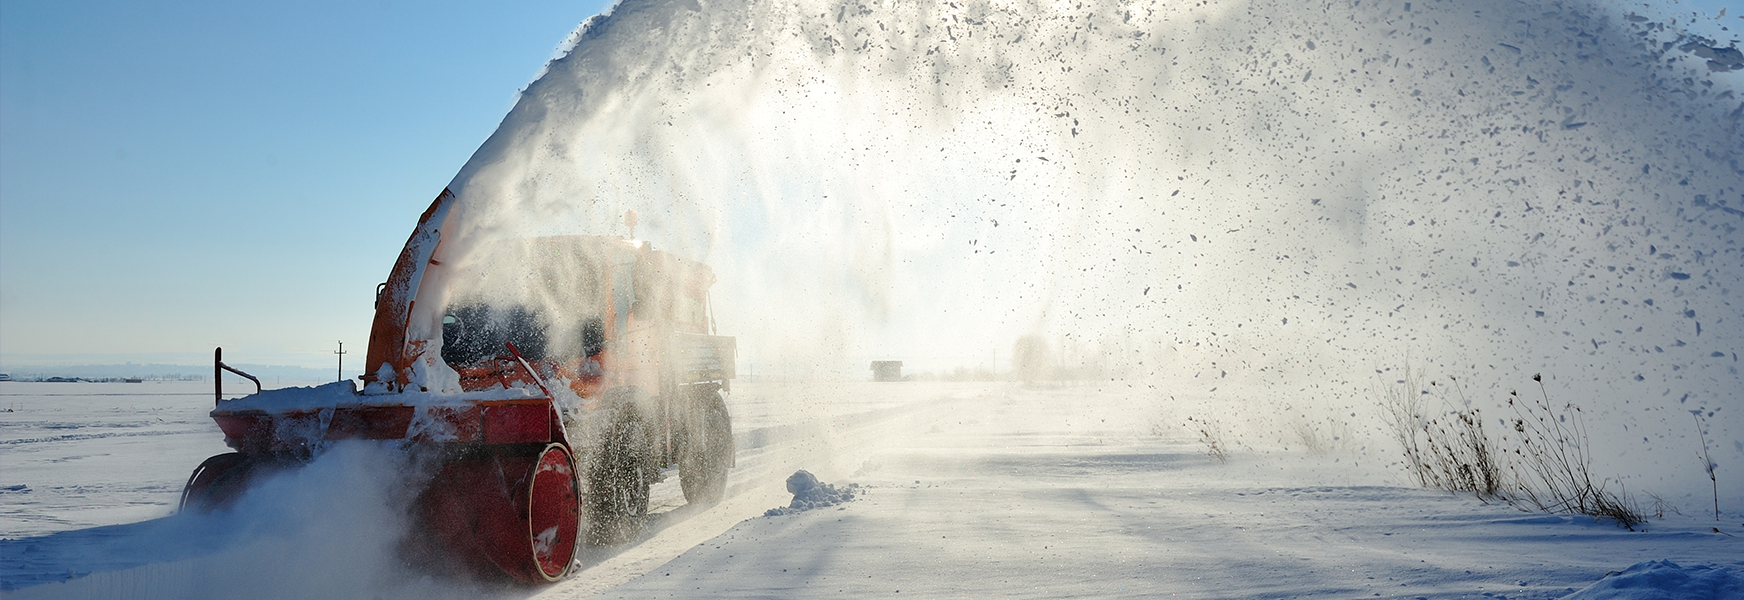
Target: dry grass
x=1321 y=438
x=1546 y=466
x=1555 y=458
x=1211 y=435
x=1402 y=410
x=1707 y=462
x=1448 y=450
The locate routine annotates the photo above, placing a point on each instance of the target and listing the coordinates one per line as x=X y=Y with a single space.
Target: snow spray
x=1294 y=195
x=336 y=527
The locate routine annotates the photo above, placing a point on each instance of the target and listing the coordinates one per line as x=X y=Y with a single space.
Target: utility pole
x=341 y=353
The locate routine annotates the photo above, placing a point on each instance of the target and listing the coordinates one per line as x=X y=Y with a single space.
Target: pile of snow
x=809 y=493
x=1666 y=580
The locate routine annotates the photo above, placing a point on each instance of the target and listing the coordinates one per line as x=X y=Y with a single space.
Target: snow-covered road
x=968 y=490
x=1067 y=492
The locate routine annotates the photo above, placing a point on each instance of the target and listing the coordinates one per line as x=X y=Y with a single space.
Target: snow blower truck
x=553 y=378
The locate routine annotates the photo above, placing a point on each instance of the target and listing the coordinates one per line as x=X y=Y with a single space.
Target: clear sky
x=176 y=176
x=180 y=175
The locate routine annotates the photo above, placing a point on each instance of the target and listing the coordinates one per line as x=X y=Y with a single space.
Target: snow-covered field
x=968 y=489
x=79 y=455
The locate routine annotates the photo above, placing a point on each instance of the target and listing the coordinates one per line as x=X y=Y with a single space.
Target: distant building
x=887 y=370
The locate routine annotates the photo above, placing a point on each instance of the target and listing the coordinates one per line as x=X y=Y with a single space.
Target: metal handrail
x=537 y=380
x=218 y=369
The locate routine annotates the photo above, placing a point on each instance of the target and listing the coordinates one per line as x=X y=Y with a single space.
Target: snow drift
x=1295 y=195
x=1663 y=579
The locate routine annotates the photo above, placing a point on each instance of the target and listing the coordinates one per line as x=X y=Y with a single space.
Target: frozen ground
x=969 y=490
x=78 y=455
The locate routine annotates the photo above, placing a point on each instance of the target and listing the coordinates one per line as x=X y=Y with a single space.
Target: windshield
x=546 y=296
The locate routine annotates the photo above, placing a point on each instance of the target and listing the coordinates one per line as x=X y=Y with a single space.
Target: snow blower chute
x=554 y=378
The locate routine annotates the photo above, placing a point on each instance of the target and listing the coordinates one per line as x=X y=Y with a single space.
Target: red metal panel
x=251 y=431
x=369 y=422
x=514 y=423
x=387 y=334
x=296 y=430
x=466 y=509
x=519 y=515
x=460 y=424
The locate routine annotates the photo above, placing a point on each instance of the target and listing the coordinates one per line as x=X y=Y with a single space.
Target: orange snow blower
x=555 y=378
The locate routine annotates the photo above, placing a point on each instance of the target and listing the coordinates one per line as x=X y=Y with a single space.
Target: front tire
x=708 y=452
x=618 y=481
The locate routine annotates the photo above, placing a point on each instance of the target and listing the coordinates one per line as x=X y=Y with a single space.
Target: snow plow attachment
x=518 y=514
x=554 y=379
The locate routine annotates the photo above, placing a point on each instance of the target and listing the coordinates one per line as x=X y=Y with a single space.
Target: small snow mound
x=1663 y=579
x=809 y=493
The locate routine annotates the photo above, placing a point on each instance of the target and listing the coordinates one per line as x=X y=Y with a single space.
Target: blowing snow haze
x=1300 y=195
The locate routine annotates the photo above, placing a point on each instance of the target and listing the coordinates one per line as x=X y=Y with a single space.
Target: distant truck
x=887 y=370
x=555 y=377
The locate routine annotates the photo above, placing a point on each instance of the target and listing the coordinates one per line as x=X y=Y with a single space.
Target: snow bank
x=809 y=493
x=1666 y=580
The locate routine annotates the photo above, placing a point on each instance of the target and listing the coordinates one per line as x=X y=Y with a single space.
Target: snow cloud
x=1299 y=195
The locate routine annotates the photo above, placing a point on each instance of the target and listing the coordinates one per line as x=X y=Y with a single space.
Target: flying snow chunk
x=1656 y=580
x=809 y=493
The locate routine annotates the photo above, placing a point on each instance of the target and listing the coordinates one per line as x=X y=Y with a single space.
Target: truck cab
x=555 y=379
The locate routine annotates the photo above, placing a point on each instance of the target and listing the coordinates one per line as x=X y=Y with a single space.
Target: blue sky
x=181 y=175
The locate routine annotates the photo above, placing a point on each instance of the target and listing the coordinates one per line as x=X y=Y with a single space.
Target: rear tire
x=708 y=452
x=618 y=480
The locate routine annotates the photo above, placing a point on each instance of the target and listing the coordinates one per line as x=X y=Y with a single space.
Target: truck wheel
x=618 y=480
x=708 y=452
